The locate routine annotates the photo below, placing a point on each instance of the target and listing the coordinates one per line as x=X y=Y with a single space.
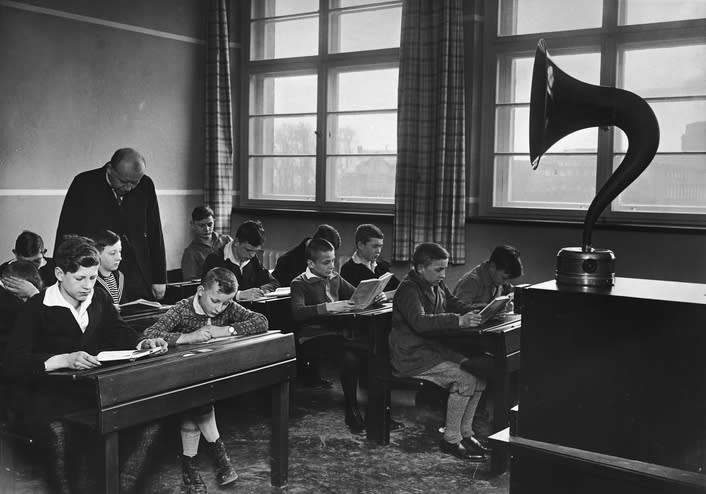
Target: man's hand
x=340 y=306
x=159 y=290
x=80 y=360
x=250 y=294
x=201 y=335
x=153 y=343
x=469 y=320
x=19 y=287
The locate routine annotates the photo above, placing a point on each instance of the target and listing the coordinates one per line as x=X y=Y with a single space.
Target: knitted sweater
x=253 y=275
x=309 y=295
x=182 y=318
x=354 y=273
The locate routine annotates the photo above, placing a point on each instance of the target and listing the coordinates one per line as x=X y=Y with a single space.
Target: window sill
x=578 y=225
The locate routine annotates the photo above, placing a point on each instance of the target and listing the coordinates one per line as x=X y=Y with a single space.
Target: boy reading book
x=490 y=278
x=211 y=313
x=423 y=305
x=64 y=327
x=365 y=262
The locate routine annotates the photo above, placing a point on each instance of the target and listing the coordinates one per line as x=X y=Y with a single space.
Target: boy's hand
x=469 y=320
x=153 y=343
x=340 y=306
x=381 y=298
x=81 y=360
x=19 y=287
x=220 y=331
x=250 y=294
x=159 y=290
x=201 y=335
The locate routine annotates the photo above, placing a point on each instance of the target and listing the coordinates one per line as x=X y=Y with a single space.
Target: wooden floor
x=324 y=456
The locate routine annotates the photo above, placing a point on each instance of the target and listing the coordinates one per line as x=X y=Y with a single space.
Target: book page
x=367 y=290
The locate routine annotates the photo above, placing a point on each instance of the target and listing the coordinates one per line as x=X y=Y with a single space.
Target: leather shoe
x=459 y=451
x=473 y=444
x=354 y=421
x=396 y=426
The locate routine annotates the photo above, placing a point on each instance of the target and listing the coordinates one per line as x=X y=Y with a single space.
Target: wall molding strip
x=62 y=192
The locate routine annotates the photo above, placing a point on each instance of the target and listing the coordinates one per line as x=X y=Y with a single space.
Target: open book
x=367 y=290
x=141 y=302
x=116 y=355
x=493 y=308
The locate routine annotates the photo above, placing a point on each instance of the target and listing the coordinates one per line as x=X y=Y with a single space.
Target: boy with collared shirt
x=65 y=327
x=365 y=263
x=240 y=257
x=423 y=306
x=205 y=242
x=317 y=293
x=490 y=278
x=211 y=313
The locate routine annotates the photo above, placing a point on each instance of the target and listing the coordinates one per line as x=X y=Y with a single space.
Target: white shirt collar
x=229 y=256
x=54 y=298
x=371 y=265
x=197 y=306
x=308 y=274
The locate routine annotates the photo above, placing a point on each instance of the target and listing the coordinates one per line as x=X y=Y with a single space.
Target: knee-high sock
x=471 y=407
x=190 y=435
x=55 y=437
x=207 y=425
x=455 y=410
x=134 y=465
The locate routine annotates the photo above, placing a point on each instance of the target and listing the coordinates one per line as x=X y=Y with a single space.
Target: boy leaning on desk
x=211 y=313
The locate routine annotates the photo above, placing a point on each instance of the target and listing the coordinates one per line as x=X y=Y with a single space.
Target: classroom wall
x=81 y=78
x=640 y=254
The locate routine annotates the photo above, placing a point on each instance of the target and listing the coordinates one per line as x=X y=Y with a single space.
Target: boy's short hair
x=224 y=278
x=252 y=232
x=75 y=252
x=104 y=238
x=316 y=247
x=327 y=232
x=28 y=244
x=367 y=231
x=24 y=270
x=428 y=252
x=507 y=258
x=202 y=212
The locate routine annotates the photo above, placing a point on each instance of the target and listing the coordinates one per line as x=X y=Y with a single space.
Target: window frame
x=607 y=38
x=321 y=64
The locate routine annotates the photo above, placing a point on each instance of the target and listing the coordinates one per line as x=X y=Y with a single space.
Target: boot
x=354 y=419
x=225 y=473
x=193 y=483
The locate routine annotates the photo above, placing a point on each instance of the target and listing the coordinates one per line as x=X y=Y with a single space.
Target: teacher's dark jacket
x=90 y=206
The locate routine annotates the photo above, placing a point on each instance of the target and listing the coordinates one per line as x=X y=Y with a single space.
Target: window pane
x=512 y=134
x=271 y=94
x=363 y=89
x=272 y=8
x=663 y=71
x=515 y=74
x=283 y=135
x=560 y=182
x=284 y=38
x=671 y=184
x=287 y=178
x=642 y=12
x=682 y=127
x=361 y=179
x=536 y=16
x=338 y=4
x=367 y=133
x=365 y=29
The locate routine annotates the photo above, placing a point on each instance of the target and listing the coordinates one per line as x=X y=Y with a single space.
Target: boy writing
x=365 y=263
x=65 y=327
x=205 y=242
x=490 y=278
x=423 y=305
x=211 y=313
x=240 y=257
x=316 y=293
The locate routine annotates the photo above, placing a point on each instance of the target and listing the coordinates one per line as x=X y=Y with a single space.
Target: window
x=655 y=49
x=322 y=104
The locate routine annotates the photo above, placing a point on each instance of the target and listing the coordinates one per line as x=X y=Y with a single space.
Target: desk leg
x=501 y=403
x=279 y=459
x=111 y=463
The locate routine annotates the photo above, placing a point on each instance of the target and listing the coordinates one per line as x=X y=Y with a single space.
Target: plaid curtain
x=218 y=180
x=430 y=187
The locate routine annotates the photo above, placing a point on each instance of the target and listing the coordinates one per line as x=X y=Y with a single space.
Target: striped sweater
x=182 y=318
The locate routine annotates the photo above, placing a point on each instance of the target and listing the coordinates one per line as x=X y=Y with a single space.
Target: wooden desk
x=180 y=290
x=188 y=376
x=277 y=310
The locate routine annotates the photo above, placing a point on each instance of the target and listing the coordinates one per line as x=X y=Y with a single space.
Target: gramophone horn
x=561 y=105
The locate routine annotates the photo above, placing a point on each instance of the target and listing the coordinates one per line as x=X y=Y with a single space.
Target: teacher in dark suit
x=121 y=198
